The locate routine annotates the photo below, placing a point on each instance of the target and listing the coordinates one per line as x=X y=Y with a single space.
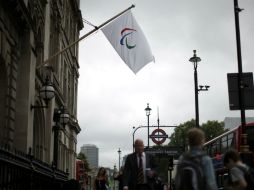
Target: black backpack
x=190 y=175
x=248 y=175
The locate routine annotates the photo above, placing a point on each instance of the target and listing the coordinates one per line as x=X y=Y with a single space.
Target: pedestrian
x=237 y=171
x=139 y=170
x=101 y=180
x=195 y=169
x=119 y=177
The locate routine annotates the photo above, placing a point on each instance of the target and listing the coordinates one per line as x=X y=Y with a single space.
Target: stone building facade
x=31 y=31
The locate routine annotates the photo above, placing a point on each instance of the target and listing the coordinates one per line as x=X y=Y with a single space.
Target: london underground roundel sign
x=158 y=136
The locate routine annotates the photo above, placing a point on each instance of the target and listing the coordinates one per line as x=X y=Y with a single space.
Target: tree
x=82 y=157
x=211 y=129
x=178 y=138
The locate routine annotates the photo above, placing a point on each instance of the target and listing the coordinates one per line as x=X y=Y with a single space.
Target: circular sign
x=158 y=136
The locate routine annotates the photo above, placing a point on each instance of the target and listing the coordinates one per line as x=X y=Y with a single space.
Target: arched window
x=39 y=134
x=3 y=86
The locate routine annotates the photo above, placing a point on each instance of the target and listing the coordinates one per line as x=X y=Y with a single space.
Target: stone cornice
x=77 y=13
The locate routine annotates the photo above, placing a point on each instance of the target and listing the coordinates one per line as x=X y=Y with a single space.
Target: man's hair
x=195 y=136
x=138 y=142
x=231 y=154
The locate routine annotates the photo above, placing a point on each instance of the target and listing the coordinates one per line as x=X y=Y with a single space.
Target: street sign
x=233 y=91
x=158 y=136
x=165 y=151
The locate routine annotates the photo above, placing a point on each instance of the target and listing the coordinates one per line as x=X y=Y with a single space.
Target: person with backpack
x=240 y=175
x=195 y=169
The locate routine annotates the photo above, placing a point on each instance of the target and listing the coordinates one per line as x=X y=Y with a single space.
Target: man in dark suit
x=139 y=169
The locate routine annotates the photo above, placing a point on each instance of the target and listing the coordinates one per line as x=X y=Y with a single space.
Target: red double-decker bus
x=231 y=139
x=81 y=174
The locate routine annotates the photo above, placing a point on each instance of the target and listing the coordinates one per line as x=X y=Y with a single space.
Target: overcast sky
x=112 y=98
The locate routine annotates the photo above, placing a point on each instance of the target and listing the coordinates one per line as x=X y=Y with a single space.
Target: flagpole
x=84 y=36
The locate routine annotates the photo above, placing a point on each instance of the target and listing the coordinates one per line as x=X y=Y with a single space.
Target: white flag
x=127 y=38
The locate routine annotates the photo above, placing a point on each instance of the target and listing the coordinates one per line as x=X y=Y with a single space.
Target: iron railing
x=20 y=171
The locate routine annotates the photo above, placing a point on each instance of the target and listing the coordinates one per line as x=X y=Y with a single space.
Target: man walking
x=237 y=170
x=195 y=170
x=139 y=170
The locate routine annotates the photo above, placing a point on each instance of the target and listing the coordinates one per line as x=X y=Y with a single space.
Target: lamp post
x=61 y=117
x=244 y=148
x=114 y=175
x=148 y=112
x=47 y=92
x=237 y=10
x=195 y=61
x=119 y=159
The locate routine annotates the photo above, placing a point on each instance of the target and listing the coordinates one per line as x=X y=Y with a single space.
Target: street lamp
x=61 y=117
x=47 y=92
x=148 y=112
x=195 y=61
x=119 y=153
x=114 y=176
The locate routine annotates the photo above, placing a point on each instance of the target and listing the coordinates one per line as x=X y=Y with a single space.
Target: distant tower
x=92 y=153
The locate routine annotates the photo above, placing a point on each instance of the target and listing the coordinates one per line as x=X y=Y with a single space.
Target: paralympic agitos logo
x=124 y=39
